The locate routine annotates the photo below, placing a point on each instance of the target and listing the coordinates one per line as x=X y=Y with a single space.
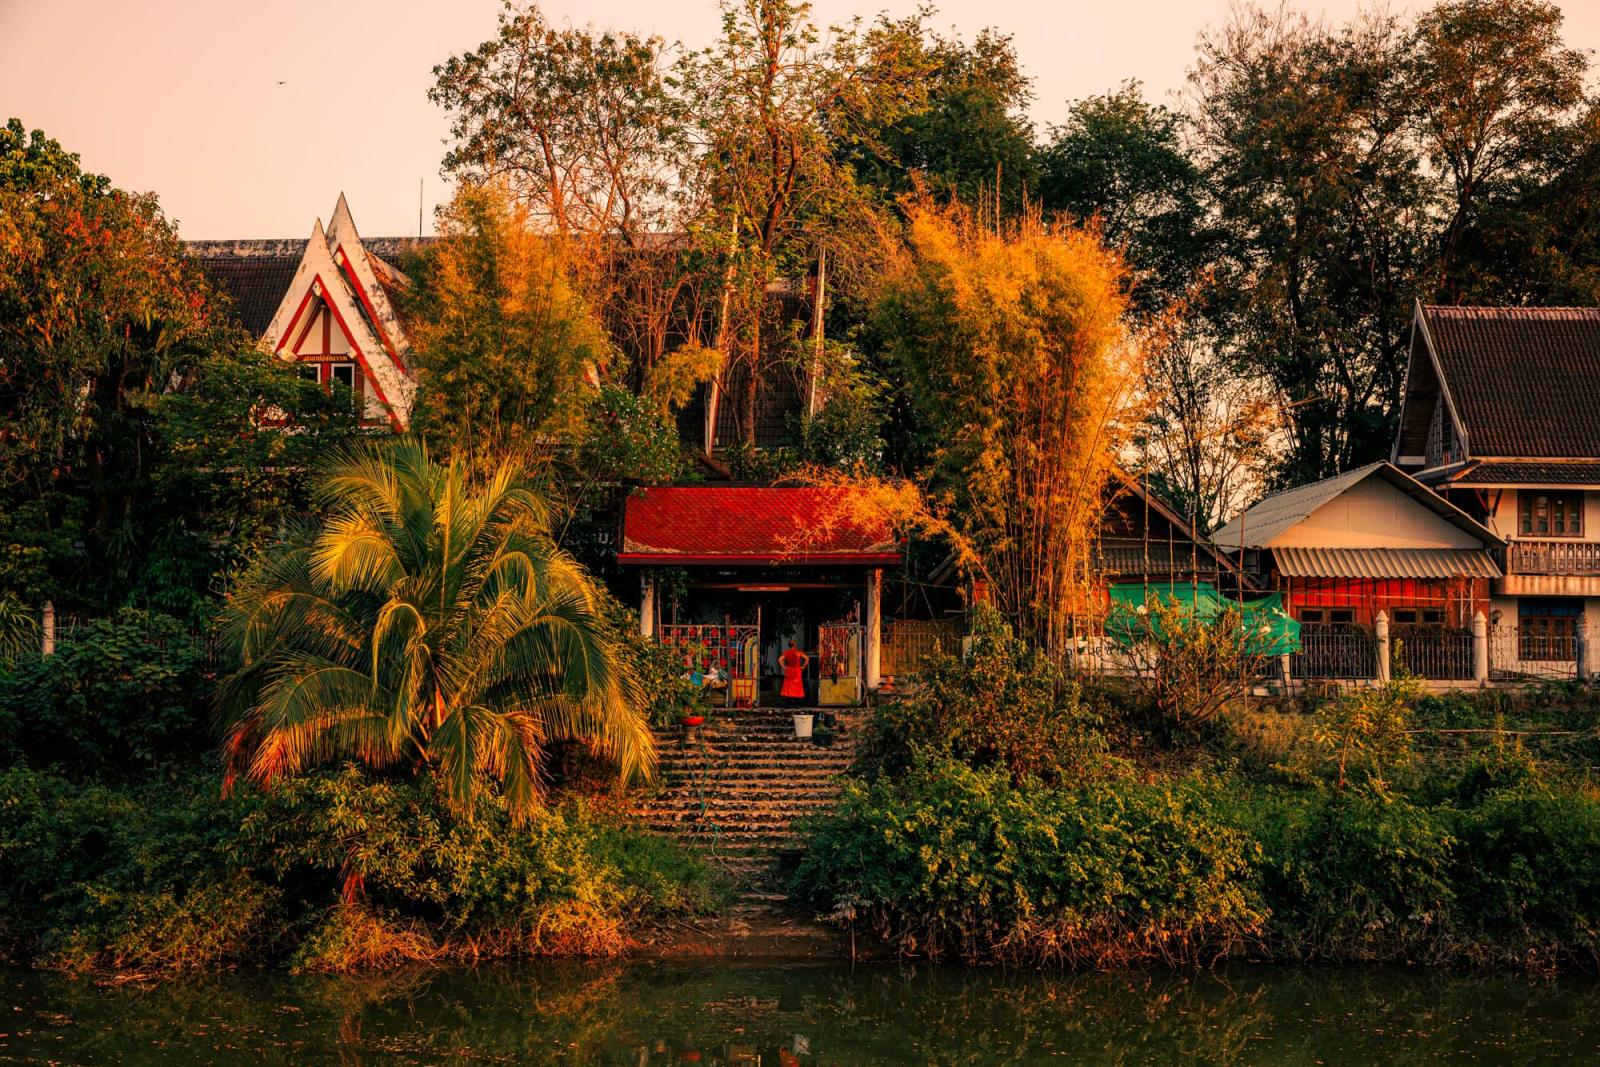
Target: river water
x=660 y=1013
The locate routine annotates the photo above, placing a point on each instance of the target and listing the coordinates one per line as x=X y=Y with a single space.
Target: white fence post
x=647 y=608
x=1285 y=672
x=1380 y=630
x=47 y=643
x=1480 y=649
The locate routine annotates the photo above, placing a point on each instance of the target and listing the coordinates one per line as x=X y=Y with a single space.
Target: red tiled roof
x=743 y=524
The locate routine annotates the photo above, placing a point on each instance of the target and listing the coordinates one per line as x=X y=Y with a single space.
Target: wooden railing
x=1550 y=556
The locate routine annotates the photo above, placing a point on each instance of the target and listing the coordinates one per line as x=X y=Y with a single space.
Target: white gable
x=1374 y=514
x=321 y=302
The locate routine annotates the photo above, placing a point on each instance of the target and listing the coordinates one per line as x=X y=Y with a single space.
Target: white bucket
x=802 y=726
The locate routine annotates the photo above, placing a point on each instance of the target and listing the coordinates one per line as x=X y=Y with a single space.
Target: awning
x=1385 y=563
x=732 y=525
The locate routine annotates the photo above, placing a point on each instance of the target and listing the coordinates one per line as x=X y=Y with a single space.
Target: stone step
x=788 y=807
x=735 y=788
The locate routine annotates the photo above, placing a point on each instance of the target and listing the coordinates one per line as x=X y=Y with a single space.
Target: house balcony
x=1551 y=567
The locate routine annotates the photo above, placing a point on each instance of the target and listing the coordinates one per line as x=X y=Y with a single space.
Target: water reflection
x=788 y=1015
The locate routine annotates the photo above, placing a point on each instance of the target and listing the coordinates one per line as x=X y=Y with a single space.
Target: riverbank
x=332 y=872
x=661 y=1013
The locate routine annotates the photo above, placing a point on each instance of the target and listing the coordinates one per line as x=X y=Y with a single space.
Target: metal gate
x=839 y=676
x=731 y=650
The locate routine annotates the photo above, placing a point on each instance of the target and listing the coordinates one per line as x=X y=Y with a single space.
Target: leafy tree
x=133 y=462
x=968 y=136
x=1538 y=242
x=587 y=134
x=771 y=103
x=581 y=125
x=428 y=620
x=1494 y=86
x=506 y=343
x=1013 y=349
x=1122 y=161
x=1355 y=169
x=1303 y=135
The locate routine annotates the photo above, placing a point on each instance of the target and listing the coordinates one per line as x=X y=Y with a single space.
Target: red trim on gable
x=342 y=259
x=361 y=359
x=355 y=347
x=294 y=319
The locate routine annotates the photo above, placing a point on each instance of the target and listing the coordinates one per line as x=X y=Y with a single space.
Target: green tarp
x=1127 y=621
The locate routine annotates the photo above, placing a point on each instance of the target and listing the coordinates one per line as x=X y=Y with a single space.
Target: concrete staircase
x=734 y=787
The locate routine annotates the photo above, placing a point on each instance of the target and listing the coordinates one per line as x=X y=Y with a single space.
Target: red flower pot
x=691 y=720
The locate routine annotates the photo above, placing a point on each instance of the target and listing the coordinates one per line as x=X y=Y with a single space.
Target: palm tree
x=428 y=621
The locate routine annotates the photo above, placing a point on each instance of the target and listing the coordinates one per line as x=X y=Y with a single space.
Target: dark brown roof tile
x=1525 y=381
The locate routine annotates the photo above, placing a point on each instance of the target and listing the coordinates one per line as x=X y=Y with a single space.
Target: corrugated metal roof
x=1257 y=527
x=1277 y=513
x=1385 y=563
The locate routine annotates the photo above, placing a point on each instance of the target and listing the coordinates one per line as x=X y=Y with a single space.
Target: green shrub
x=330 y=872
x=1527 y=865
x=396 y=846
x=1006 y=704
x=1353 y=874
x=119 y=697
x=952 y=861
x=136 y=881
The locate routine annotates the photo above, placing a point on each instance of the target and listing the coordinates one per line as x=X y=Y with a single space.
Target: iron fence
x=1439 y=655
x=1517 y=654
x=908 y=642
x=1335 y=650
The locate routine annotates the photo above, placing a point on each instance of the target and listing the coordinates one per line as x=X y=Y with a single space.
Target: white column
x=47 y=644
x=1583 y=651
x=874 y=652
x=1380 y=629
x=1480 y=649
x=647 y=608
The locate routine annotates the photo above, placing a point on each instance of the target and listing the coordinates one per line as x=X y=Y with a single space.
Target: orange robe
x=794 y=665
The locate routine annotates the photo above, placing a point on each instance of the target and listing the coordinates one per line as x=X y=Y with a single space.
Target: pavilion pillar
x=874 y=649
x=647 y=607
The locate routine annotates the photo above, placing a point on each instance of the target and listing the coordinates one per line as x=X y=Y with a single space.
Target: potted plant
x=823 y=734
x=691 y=710
x=802 y=725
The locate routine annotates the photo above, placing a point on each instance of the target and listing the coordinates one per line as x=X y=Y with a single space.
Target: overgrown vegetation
x=334 y=871
x=414 y=653
x=1381 y=825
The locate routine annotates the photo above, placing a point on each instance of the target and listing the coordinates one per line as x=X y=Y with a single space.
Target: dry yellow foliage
x=1014 y=343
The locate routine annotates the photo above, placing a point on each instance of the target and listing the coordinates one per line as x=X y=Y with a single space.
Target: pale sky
x=248 y=117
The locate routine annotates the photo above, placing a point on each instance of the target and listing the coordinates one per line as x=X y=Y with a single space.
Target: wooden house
x=1369 y=540
x=1372 y=541
x=1501 y=416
